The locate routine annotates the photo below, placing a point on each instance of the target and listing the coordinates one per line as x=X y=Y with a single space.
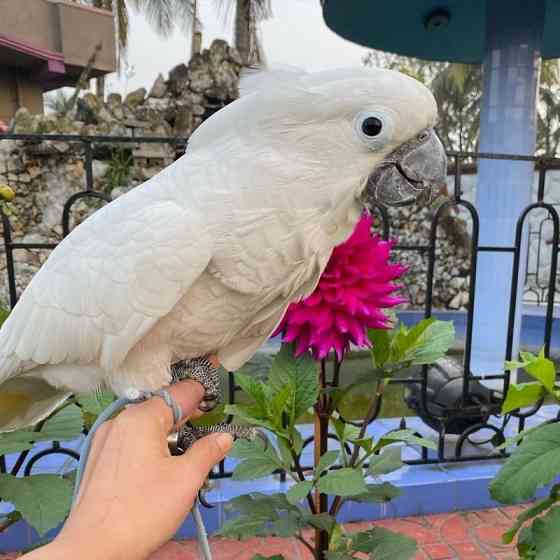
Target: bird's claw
x=201 y=370
x=189 y=433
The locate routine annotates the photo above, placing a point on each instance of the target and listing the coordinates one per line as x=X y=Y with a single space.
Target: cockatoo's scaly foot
x=203 y=371
x=188 y=434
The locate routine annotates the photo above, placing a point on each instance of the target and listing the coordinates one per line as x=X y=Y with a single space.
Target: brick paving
x=472 y=535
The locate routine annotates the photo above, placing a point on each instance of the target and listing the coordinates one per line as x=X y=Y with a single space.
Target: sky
x=296 y=36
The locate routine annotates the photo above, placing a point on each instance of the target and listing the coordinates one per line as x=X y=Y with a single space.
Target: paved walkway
x=450 y=536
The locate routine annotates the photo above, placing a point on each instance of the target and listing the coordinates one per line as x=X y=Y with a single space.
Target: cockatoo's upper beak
x=416 y=169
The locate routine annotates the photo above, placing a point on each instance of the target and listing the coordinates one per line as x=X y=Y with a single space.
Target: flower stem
x=337 y=502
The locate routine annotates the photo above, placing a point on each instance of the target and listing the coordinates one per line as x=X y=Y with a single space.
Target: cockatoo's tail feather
x=206 y=256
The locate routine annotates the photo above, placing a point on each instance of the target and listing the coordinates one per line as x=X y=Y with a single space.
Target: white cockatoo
x=204 y=258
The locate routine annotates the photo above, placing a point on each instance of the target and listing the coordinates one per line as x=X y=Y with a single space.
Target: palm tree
x=247 y=15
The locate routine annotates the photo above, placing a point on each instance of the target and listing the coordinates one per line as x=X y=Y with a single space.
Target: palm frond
x=165 y=15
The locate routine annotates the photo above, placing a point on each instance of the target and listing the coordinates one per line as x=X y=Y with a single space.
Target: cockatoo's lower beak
x=416 y=169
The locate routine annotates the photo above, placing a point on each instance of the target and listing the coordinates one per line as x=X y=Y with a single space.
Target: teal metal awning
x=446 y=30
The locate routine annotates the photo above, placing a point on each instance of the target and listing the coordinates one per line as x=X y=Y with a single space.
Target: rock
x=136 y=97
x=159 y=89
x=183 y=121
x=234 y=56
x=114 y=100
x=105 y=115
x=99 y=169
x=22 y=121
x=178 y=79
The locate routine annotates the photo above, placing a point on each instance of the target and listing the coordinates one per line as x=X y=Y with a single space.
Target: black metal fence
x=477 y=417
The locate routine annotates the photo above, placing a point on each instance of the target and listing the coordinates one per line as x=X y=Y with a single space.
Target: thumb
x=201 y=457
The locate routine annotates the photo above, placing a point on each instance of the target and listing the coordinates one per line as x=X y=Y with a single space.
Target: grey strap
x=169 y=401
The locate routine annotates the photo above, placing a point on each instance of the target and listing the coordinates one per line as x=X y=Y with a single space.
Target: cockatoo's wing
x=106 y=285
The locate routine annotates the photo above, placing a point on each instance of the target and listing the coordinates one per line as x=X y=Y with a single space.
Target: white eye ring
x=383 y=120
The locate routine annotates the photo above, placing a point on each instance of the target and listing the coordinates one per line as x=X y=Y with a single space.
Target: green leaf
x=43 y=499
x=285 y=453
x=254 y=468
x=251 y=414
x=382 y=544
x=428 y=341
x=66 y=424
x=387 y=462
x=529 y=513
x=261 y=557
x=543 y=370
x=380 y=346
x=406 y=436
x=378 y=493
x=327 y=459
x=254 y=388
x=526 y=544
x=546 y=535
x=322 y=521
x=257 y=461
x=288 y=525
x=299 y=491
x=243 y=527
x=535 y=463
x=299 y=373
x=95 y=403
x=523 y=394
x=343 y=482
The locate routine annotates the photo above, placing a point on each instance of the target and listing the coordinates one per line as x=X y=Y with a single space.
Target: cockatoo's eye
x=374 y=128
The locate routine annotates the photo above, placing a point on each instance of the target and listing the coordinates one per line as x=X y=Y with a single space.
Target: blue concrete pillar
x=508 y=125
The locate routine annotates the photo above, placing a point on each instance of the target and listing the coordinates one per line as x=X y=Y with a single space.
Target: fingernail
x=224 y=441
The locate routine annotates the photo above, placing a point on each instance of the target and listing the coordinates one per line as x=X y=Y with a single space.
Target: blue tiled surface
x=425 y=488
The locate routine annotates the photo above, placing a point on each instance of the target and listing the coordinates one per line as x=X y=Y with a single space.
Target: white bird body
x=205 y=257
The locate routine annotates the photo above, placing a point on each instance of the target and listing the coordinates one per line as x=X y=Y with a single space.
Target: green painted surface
x=399 y=26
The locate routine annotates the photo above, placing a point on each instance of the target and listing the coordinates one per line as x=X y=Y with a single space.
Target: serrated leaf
x=378 y=493
x=299 y=491
x=250 y=414
x=67 y=424
x=383 y=544
x=535 y=463
x=95 y=403
x=543 y=370
x=385 y=463
x=287 y=525
x=380 y=346
x=257 y=461
x=322 y=521
x=342 y=482
x=546 y=535
x=244 y=527
x=254 y=388
x=43 y=499
x=299 y=373
x=406 y=436
x=430 y=342
x=327 y=459
x=285 y=453
x=523 y=394
x=254 y=468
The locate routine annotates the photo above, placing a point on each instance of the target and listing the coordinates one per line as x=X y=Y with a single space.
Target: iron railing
x=490 y=421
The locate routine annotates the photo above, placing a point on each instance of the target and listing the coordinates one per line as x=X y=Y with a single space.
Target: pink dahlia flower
x=357 y=284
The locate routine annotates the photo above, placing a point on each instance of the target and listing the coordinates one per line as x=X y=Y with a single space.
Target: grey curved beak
x=416 y=170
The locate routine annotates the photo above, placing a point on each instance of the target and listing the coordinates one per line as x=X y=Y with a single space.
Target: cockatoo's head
x=368 y=131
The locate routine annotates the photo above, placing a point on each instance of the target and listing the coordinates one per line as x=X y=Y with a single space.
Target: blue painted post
x=508 y=125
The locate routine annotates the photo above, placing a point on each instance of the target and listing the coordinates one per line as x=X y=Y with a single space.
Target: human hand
x=134 y=494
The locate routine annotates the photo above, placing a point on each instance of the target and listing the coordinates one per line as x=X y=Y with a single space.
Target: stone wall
x=44 y=174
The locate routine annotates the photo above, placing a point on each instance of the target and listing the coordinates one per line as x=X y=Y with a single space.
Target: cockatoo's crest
x=276 y=79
